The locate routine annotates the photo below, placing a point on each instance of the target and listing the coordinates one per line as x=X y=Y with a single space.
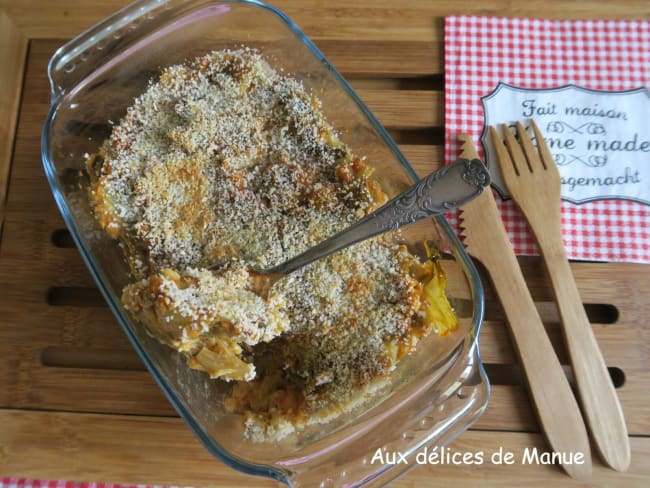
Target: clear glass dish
x=435 y=393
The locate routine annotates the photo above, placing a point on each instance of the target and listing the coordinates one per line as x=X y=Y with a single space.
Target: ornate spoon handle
x=443 y=190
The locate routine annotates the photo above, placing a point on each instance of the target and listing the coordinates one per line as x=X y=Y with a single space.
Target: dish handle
x=91 y=49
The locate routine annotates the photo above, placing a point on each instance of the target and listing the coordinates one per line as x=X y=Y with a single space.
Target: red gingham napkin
x=480 y=52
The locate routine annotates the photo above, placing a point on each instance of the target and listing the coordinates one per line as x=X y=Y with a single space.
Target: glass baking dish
x=434 y=394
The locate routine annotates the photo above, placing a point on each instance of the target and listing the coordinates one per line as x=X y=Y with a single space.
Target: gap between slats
x=601 y=313
x=126 y=360
x=511 y=374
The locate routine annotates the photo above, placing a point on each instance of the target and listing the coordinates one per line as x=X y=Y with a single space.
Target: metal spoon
x=442 y=190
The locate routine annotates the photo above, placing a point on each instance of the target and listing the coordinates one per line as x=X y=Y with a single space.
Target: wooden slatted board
x=75 y=401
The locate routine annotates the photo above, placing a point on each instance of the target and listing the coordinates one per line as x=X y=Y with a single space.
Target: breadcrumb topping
x=223 y=161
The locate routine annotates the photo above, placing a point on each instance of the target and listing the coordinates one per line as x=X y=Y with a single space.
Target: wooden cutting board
x=75 y=401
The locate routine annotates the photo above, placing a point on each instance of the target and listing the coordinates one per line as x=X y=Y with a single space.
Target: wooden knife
x=486 y=239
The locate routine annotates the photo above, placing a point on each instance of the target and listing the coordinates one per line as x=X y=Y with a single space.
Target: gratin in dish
x=225 y=161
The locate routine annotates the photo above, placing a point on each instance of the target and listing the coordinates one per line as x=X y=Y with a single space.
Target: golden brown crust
x=224 y=161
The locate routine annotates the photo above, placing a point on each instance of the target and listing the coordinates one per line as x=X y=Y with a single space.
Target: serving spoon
x=443 y=190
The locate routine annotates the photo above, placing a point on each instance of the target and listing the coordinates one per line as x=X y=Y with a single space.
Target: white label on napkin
x=599 y=139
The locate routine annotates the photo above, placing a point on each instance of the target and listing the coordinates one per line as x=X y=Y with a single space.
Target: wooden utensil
x=533 y=180
x=557 y=409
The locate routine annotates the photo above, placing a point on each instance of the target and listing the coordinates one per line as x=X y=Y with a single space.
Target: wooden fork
x=533 y=180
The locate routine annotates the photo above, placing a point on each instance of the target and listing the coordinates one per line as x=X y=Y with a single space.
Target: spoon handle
x=442 y=190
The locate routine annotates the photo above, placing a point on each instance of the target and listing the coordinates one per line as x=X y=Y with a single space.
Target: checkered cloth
x=534 y=53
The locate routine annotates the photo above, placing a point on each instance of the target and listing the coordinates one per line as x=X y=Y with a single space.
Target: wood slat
x=13 y=50
x=425 y=109
x=379 y=59
x=411 y=20
x=114 y=449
